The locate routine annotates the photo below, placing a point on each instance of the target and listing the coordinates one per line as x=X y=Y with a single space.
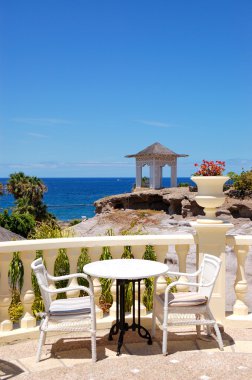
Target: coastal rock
x=173 y=201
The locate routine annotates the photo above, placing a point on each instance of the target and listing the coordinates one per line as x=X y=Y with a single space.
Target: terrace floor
x=68 y=356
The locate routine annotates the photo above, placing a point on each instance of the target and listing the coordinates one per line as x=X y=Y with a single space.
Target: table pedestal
x=120 y=324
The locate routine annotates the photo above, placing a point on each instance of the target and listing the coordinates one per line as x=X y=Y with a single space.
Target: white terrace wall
x=161 y=243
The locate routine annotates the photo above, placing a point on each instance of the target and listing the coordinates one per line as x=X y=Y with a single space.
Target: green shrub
x=21 y=224
x=183 y=184
x=242 y=182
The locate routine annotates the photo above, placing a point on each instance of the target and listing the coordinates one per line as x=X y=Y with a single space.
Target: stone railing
x=241 y=245
x=182 y=243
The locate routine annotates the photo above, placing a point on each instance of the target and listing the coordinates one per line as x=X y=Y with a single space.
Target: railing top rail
x=239 y=240
x=96 y=241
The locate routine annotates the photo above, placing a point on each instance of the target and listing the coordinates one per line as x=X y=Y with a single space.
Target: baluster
x=182 y=251
x=241 y=285
x=161 y=252
x=5 y=293
x=138 y=251
x=73 y=255
x=50 y=257
x=27 y=294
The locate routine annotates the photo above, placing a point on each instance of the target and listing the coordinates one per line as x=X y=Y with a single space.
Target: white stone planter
x=210 y=195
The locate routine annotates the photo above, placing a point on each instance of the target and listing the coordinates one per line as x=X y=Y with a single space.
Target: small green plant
x=16 y=281
x=106 y=299
x=83 y=259
x=38 y=304
x=183 y=184
x=74 y=222
x=149 y=254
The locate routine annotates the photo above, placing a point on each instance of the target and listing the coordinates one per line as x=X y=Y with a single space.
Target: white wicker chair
x=70 y=314
x=180 y=308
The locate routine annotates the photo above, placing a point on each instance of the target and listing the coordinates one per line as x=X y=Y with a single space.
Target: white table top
x=125 y=269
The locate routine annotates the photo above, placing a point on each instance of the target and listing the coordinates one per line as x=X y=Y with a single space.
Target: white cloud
x=41 y=121
x=155 y=123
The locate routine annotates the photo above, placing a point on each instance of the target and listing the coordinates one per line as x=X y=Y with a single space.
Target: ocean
x=73 y=198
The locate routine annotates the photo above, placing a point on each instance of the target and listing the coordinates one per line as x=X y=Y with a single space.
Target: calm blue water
x=72 y=198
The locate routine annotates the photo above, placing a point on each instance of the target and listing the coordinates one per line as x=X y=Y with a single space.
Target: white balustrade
x=161 y=243
x=5 y=293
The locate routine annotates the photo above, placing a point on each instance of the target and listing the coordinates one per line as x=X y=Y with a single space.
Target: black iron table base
x=122 y=326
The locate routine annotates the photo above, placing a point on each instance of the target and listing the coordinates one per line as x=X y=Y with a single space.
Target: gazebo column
x=152 y=175
x=138 y=174
x=158 y=170
x=174 y=174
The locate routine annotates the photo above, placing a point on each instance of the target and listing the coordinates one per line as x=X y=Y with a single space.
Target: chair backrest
x=210 y=267
x=41 y=275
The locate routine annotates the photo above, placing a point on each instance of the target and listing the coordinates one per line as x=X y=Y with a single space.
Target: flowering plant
x=210 y=168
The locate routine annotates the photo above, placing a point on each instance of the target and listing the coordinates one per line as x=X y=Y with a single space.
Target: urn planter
x=210 y=196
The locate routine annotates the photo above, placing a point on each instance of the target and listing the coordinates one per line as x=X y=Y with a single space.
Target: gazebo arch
x=156 y=156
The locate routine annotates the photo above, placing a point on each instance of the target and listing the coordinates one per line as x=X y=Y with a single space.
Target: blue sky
x=83 y=83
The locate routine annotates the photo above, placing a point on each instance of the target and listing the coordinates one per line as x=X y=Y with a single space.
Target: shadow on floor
x=9 y=370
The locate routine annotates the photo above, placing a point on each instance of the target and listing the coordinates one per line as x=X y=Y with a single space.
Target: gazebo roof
x=157 y=150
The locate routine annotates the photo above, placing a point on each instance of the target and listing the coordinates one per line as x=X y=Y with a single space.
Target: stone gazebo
x=156 y=156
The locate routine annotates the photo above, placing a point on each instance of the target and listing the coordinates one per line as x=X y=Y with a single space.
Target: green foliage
x=16 y=272
x=83 y=259
x=16 y=308
x=127 y=252
x=49 y=230
x=242 y=182
x=21 y=224
x=16 y=280
x=1 y=189
x=183 y=184
x=106 y=298
x=149 y=254
x=28 y=193
x=74 y=222
x=38 y=304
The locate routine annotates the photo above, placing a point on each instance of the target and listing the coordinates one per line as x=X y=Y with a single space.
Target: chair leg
x=93 y=347
x=41 y=341
x=218 y=336
x=165 y=337
x=217 y=330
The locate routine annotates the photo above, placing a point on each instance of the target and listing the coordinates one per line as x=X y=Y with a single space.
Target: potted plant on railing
x=210 y=182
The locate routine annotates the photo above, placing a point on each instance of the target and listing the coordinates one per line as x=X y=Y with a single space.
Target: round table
x=125 y=271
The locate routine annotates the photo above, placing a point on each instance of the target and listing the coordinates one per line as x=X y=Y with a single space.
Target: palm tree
x=22 y=186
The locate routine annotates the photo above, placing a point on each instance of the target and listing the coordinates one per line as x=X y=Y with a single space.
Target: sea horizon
x=71 y=198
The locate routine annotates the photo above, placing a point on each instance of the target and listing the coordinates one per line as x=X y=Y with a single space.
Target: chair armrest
x=68 y=289
x=67 y=276
x=70 y=276
x=184 y=274
x=197 y=284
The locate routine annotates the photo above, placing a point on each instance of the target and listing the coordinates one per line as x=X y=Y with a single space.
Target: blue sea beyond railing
x=73 y=198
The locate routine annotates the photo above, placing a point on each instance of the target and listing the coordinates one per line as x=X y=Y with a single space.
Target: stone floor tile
x=143 y=348
x=243 y=346
x=46 y=363
x=213 y=346
x=110 y=351
x=183 y=345
x=73 y=357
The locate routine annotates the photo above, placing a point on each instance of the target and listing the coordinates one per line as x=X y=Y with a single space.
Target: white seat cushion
x=70 y=306
x=184 y=299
